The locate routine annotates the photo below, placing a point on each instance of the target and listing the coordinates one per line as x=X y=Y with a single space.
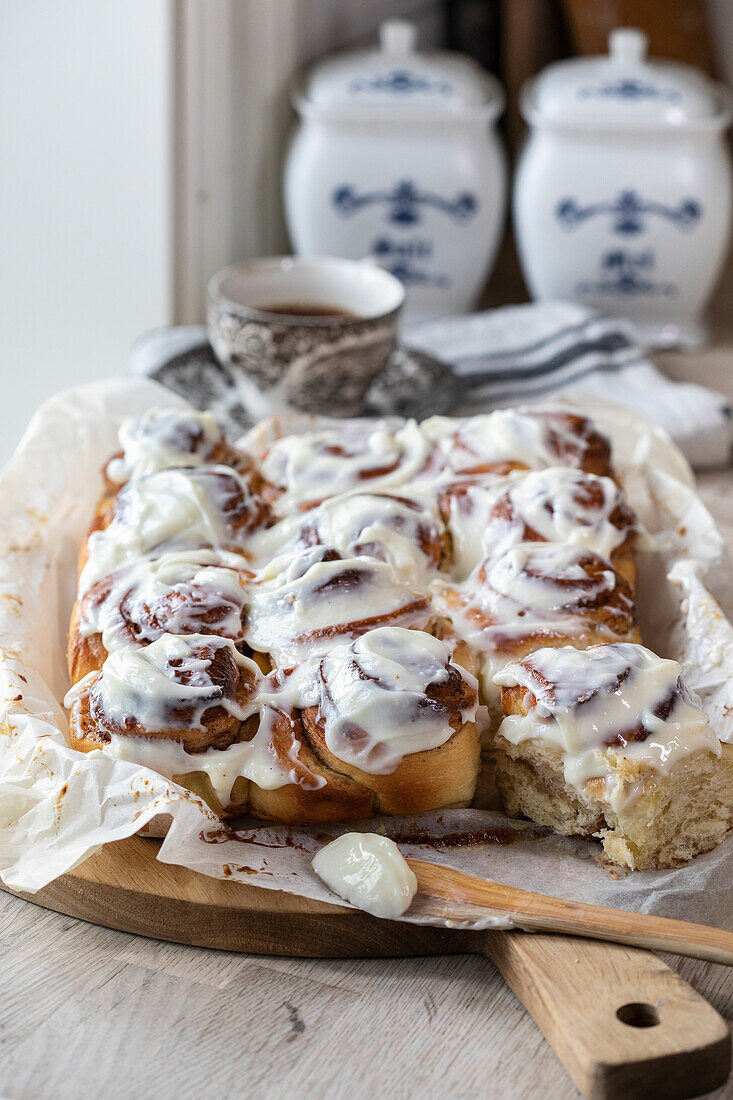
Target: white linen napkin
x=537 y=352
x=508 y=356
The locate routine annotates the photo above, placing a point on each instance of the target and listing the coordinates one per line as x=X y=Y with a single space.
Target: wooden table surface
x=90 y=1012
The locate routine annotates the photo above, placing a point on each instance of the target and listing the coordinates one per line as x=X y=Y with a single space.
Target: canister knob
x=397 y=36
x=627 y=46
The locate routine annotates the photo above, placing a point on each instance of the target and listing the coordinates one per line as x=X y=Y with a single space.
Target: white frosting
x=170 y=509
x=534 y=589
x=558 y=503
x=514 y=435
x=300 y=606
x=587 y=700
x=179 y=589
x=371 y=525
x=547 y=578
x=373 y=698
x=165 y=685
x=375 y=455
x=533 y=586
x=369 y=871
x=253 y=760
x=161 y=438
x=469 y=511
x=565 y=505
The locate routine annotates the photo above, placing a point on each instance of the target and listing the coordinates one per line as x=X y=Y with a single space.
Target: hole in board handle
x=638 y=1015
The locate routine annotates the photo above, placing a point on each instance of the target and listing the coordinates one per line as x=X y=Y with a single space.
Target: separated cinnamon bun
x=609 y=741
x=556 y=504
x=302 y=605
x=396 y=715
x=514 y=438
x=188 y=592
x=174 y=509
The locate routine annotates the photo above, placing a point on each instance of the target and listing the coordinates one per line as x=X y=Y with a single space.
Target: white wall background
x=85 y=192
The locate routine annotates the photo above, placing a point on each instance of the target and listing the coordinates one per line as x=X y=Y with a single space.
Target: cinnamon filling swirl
x=320 y=598
x=529 y=437
x=534 y=590
x=390 y=693
x=193 y=592
x=309 y=468
x=174 y=509
x=163 y=438
x=193 y=689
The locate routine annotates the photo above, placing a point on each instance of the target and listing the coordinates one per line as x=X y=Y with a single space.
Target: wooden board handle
x=619 y=1019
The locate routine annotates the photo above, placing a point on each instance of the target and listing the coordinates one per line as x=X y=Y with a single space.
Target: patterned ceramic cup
x=265 y=326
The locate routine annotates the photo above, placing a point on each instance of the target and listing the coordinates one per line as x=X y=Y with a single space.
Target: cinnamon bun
x=393 y=713
x=193 y=708
x=378 y=455
x=394 y=529
x=301 y=606
x=182 y=705
x=555 y=504
x=163 y=438
x=610 y=742
x=536 y=594
x=519 y=438
x=188 y=592
x=172 y=509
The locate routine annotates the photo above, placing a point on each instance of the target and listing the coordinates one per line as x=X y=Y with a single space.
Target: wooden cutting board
x=621 y=1021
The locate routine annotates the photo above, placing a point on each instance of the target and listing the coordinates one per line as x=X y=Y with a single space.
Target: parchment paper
x=58 y=806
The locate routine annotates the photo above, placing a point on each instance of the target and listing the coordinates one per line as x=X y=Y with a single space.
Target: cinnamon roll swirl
x=301 y=606
x=173 y=509
x=316 y=793
x=187 y=706
x=530 y=438
x=393 y=529
x=536 y=594
x=394 y=714
x=308 y=468
x=189 y=592
x=609 y=741
x=163 y=438
x=556 y=504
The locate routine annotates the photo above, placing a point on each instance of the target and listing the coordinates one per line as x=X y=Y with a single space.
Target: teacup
x=304 y=333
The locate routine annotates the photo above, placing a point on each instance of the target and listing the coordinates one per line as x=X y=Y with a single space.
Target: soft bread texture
x=674 y=818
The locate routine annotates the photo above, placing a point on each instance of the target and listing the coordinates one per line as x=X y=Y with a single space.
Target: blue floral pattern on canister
x=401 y=82
x=404 y=202
x=628 y=212
x=629 y=89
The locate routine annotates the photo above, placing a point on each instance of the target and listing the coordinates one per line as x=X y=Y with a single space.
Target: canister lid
x=622 y=88
x=397 y=77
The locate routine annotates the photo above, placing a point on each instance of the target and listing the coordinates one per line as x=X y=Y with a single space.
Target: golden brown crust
x=83 y=654
x=340 y=799
x=429 y=780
